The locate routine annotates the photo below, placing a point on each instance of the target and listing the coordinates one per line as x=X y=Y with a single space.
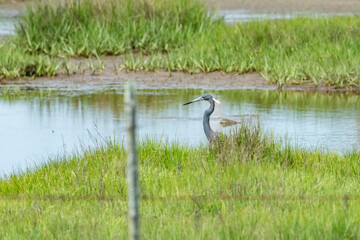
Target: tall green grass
x=296 y=50
x=88 y=28
x=15 y=63
x=249 y=186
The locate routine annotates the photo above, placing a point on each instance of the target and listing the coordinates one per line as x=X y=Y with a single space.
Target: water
x=243 y=15
x=38 y=125
x=8 y=18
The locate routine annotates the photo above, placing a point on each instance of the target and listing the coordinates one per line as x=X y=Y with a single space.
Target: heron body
x=210 y=134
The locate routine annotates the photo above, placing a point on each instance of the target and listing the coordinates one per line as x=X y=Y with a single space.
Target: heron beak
x=217 y=101
x=195 y=100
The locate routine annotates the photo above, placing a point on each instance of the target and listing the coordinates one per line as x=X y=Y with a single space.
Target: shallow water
x=39 y=124
x=8 y=18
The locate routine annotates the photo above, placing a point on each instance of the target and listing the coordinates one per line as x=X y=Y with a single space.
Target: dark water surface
x=39 y=124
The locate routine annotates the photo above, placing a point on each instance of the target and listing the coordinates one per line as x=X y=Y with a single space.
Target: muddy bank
x=79 y=75
x=143 y=79
x=162 y=79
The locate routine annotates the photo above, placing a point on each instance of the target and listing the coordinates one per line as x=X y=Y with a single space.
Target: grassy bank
x=248 y=187
x=182 y=36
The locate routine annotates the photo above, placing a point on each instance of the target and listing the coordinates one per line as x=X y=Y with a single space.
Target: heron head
x=205 y=97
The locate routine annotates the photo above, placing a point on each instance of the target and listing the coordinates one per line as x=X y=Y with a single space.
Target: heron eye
x=202 y=97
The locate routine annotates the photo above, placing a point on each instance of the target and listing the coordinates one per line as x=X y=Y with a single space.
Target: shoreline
x=162 y=79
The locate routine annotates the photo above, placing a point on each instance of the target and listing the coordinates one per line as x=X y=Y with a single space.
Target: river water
x=41 y=124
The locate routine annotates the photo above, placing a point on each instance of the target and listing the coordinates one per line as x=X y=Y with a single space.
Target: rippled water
x=38 y=125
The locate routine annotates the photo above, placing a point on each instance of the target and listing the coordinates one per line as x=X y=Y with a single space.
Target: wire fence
x=265 y=197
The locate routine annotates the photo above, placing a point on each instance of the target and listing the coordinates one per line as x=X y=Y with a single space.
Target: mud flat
x=163 y=79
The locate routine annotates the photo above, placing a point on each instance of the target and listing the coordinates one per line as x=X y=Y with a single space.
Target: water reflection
x=37 y=126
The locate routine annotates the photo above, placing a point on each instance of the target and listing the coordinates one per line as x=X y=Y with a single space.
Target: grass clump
x=14 y=63
x=297 y=50
x=88 y=28
x=249 y=186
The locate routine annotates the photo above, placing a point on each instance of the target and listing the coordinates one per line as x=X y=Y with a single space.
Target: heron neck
x=206 y=121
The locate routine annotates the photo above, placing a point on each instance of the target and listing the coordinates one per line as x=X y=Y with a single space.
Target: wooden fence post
x=132 y=163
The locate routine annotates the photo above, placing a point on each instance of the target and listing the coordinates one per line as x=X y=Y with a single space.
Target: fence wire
x=269 y=197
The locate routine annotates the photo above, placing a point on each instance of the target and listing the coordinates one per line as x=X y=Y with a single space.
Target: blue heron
x=210 y=134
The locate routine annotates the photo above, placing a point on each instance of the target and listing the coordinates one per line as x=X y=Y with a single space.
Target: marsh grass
x=249 y=186
x=92 y=28
x=14 y=63
x=183 y=36
x=296 y=50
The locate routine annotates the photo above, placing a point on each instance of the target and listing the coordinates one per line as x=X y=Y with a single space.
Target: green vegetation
x=14 y=62
x=88 y=28
x=182 y=36
x=247 y=187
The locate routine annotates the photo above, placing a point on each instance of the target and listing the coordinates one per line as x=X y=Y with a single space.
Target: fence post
x=132 y=164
